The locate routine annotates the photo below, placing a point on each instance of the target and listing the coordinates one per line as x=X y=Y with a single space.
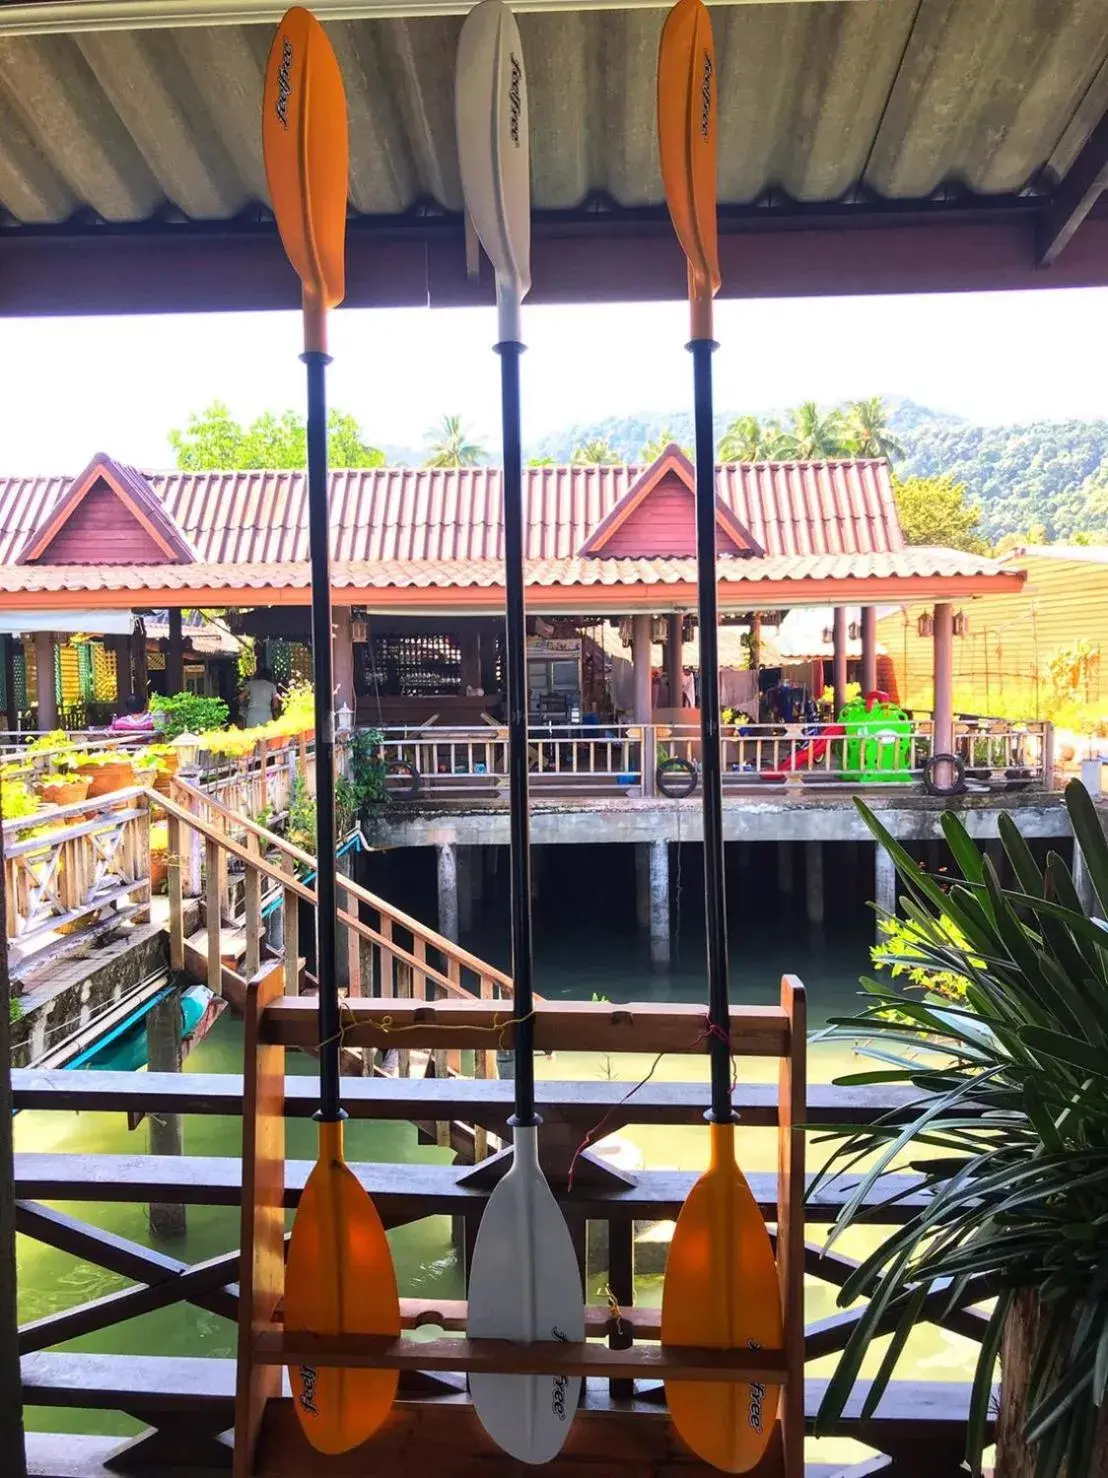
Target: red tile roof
x=411 y=529
x=420 y=514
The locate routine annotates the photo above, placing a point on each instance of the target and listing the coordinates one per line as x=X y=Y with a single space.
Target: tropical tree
x=596 y=454
x=654 y=448
x=747 y=440
x=447 y=445
x=867 y=428
x=213 y=441
x=541 y=462
x=814 y=434
x=937 y=510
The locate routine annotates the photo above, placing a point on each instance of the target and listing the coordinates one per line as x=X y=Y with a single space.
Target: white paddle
x=524 y=1282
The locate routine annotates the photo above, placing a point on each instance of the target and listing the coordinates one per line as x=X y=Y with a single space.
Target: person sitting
x=136 y=718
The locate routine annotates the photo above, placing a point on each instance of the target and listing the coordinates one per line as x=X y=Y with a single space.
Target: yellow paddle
x=721 y=1288
x=339 y=1277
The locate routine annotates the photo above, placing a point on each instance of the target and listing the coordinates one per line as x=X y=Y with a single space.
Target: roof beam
x=1074 y=196
x=54 y=17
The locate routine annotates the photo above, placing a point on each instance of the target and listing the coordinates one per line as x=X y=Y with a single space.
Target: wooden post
x=138 y=646
x=640 y=661
x=124 y=679
x=7 y=645
x=838 y=656
x=869 y=649
x=11 y=1397
x=174 y=869
x=291 y=908
x=163 y=1055
x=252 y=897
x=792 y=1111
x=342 y=647
x=46 y=681
x=674 y=654
x=755 y=645
x=212 y=854
x=175 y=654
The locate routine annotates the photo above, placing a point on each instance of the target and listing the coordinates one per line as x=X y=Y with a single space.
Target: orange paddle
x=721 y=1288
x=339 y=1277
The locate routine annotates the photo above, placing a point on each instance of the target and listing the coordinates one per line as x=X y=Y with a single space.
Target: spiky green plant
x=1012 y=1120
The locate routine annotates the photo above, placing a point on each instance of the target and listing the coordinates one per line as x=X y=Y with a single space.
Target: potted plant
x=1012 y=1119
x=106 y=772
x=162 y=760
x=63 y=788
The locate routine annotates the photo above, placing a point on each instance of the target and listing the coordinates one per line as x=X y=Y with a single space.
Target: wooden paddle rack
x=432 y=1430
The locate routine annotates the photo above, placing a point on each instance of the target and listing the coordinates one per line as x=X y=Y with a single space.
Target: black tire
x=407 y=777
x=676 y=778
x=957 y=765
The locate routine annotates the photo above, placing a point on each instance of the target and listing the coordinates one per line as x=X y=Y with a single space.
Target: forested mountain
x=1052 y=474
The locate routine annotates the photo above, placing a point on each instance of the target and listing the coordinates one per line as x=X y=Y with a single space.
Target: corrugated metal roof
x=488 y=574
x=415 y=515
x=899 y=98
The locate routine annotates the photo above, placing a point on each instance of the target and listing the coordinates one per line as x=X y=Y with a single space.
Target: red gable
x=656 y=517
x=107 y=515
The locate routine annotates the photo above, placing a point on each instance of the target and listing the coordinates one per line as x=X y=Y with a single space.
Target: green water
x=582 y=947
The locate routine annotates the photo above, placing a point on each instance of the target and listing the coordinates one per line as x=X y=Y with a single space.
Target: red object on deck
x=799 y=757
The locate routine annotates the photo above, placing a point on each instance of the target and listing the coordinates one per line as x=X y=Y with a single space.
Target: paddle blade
x=339 y=1279
x=524 y=1285
x=494 y=151
x=721 y=1291
x=304 y=141
x=687 y=144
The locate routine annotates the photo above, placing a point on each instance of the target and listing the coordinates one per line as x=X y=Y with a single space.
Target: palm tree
x=813 y=435
x=652 y=450
x=747 y=440
x=867 y=424
x=448 y=446
x=597 y=453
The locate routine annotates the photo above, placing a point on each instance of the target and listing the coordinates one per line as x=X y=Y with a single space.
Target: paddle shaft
x=711 y=770
x=515 y=686
x=319 y=537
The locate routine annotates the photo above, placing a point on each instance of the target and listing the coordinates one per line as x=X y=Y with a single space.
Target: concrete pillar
x=838 y=656
x=674 y=653
x=884 y=882
x=813 y=881
x=47 y=682
x=869 y=649
x=640 y=660
x=175 y=654
x=163 y=1055
x=785 y=877
x=642 y=884
x=464 y=875
x=658 y=873
x=944 y=677
x=448 y=890
x=343 y=657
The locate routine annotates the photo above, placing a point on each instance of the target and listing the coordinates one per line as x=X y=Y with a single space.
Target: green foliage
x=868 y=432
x=365 y=785
x=596 y=453
x=298 y=705
x=56 y=739
x=213 y=441
x=902 y=952
x=1007 y=1132
x=814 y=434
x=300 y=829
x=747 y=439
x=653 y=449
x=15 y=1010
x=186 y=713
x=16 y=801
x=936 y=510
x=447 y=445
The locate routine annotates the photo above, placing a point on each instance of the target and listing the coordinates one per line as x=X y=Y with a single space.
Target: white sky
x=69 y=387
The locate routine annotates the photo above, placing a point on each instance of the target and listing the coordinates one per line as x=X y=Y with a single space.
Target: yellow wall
x=1011 y=638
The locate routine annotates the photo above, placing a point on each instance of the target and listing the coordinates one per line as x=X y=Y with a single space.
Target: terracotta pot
x=159 y=871
x=65 y=792
x=276 y=741
x=106 y=778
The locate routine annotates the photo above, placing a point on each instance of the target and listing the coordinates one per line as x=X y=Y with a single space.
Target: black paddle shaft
x=711 y=770
x=515 y=687
x=319 y=537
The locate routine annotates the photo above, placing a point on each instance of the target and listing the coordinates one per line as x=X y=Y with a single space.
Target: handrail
x=434 y=940
x=293 y=885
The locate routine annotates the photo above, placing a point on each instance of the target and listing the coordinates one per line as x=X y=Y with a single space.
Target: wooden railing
x=188 y=1402
x=77 y=869
x=623 y=759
